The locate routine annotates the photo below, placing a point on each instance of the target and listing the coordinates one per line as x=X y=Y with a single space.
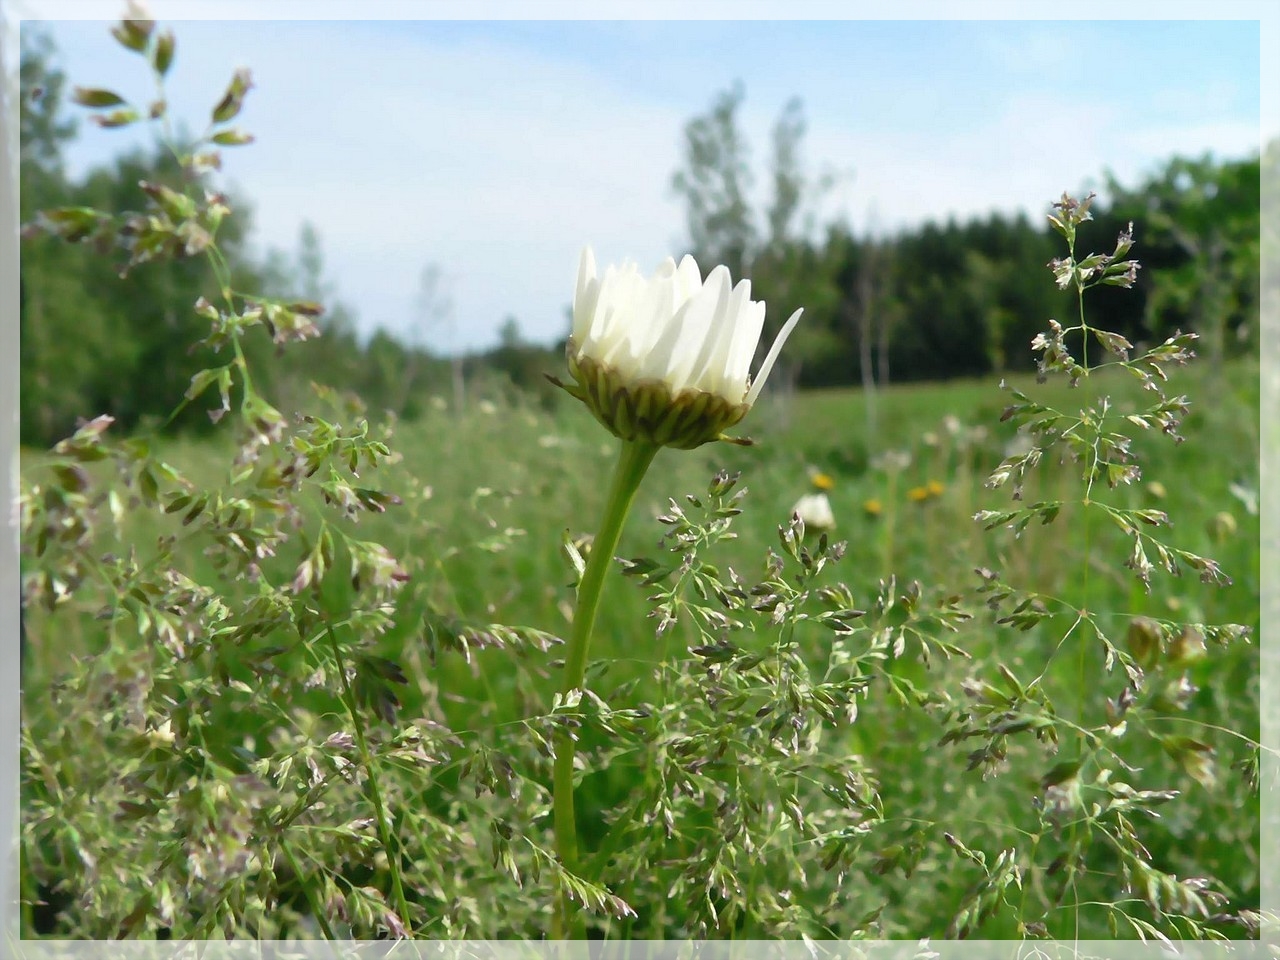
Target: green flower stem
x=317 y=908
x=633 y=461
x=375 y=794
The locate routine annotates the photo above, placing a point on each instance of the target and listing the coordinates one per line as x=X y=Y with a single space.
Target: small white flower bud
x=815 y=510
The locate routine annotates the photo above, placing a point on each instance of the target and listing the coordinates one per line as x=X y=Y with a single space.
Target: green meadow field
x=950 y=659
x=489 y=495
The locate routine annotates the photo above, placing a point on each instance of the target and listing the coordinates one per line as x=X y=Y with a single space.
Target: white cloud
x=1020 y=159
x=494 y=163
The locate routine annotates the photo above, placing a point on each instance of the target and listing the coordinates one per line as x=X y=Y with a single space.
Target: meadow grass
x=490 y=494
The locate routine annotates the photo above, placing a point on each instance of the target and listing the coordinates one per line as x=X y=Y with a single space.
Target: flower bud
x=1144 y=641
x=1187 y=647
x=815 y=510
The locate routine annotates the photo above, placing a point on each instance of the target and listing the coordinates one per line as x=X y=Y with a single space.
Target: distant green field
x=489 y=494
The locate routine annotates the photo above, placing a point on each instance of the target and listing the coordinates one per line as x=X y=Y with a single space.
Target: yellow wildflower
x=820 y=480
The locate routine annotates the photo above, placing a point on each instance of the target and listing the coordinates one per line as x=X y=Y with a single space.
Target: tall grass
x=302 y=680
x=491 y=493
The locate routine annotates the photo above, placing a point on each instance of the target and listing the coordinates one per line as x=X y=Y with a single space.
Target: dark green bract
x=647 y=410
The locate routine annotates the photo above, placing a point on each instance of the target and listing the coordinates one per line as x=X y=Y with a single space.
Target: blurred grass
x=490 y=493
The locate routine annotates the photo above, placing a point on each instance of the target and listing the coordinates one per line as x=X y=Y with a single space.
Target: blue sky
x=494 y=150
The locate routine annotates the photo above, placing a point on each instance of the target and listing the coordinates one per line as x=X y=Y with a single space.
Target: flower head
x=926 y=491
x=666 y=359
x=820 y=480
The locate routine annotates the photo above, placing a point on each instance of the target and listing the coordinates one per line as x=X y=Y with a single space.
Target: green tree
x=56 y=384
x=715 y=182
x=333 y=359
x=42 y=126
x=788 y=175
x=768 y=246
x=1203 y=219
x=89 y=344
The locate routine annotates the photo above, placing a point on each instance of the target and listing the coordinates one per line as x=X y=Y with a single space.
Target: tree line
x=941 y=300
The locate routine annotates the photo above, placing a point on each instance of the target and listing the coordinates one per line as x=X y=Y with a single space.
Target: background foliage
x=941 y=301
